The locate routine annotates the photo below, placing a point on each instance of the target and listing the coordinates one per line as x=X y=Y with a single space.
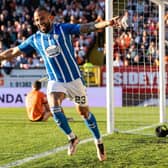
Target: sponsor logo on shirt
x=53 y=51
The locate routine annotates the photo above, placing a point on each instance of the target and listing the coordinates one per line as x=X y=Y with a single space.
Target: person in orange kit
x=36 y=104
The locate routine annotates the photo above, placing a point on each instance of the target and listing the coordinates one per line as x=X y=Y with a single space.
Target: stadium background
x=134 y=143
x=135 y=46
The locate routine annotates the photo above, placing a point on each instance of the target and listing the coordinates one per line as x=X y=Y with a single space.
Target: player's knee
x=55 y=98
x=83 y=111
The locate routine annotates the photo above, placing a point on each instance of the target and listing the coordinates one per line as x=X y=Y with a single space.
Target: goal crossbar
x=160 y=1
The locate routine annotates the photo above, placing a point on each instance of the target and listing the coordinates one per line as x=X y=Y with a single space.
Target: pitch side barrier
x=25 y=77
x=133 y=81
x=130 y=78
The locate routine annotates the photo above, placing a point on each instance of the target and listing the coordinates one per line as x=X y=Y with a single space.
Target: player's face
x=42 y=21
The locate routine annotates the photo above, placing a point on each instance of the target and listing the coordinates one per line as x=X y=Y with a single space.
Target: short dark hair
x=37 y=85
x=41 y=8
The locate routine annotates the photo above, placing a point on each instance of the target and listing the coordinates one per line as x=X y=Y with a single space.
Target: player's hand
x=115 y=21
x=119 y=22
x=123 y=22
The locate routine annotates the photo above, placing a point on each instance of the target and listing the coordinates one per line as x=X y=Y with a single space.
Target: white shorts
x=75 y=90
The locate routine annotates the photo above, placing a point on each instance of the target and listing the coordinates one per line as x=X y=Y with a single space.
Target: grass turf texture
x=20 y=138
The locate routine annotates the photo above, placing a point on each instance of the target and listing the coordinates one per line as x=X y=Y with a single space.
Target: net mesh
x=136 y=64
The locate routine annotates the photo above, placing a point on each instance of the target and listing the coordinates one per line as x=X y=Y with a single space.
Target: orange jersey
x=35 y=101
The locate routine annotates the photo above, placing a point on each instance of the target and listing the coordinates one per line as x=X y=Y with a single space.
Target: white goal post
x=161 y=4
x=109 y=64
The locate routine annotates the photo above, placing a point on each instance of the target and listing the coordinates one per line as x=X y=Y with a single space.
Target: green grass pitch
x=20 y=139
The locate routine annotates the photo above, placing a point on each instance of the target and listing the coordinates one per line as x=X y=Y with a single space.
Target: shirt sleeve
x=26 y=46
x=71 y=28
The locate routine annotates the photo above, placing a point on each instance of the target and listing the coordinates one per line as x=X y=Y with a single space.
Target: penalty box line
x=41 y=155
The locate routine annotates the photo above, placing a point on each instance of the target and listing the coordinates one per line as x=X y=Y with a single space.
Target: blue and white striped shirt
x=57 y=51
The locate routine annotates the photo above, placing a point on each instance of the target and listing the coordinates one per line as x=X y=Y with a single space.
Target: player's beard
x=45 y=28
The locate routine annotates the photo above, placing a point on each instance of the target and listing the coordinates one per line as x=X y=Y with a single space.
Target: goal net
x=140 y=65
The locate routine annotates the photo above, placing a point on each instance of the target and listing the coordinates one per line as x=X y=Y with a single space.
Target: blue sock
x=92 y=125
x=60 y=119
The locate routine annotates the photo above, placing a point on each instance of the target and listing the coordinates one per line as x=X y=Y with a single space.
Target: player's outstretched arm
x=93 y=26
x=10 y=53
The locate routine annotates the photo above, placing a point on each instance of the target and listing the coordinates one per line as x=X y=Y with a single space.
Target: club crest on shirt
x=56 y=36
x=53 y=51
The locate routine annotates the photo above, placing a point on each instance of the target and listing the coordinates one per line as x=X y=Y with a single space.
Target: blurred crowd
x=16 y=24
x=136 y=45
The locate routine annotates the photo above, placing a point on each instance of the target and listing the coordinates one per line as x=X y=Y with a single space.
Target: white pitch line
x=41 y=155
x=139 y=129
x=56 y=150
